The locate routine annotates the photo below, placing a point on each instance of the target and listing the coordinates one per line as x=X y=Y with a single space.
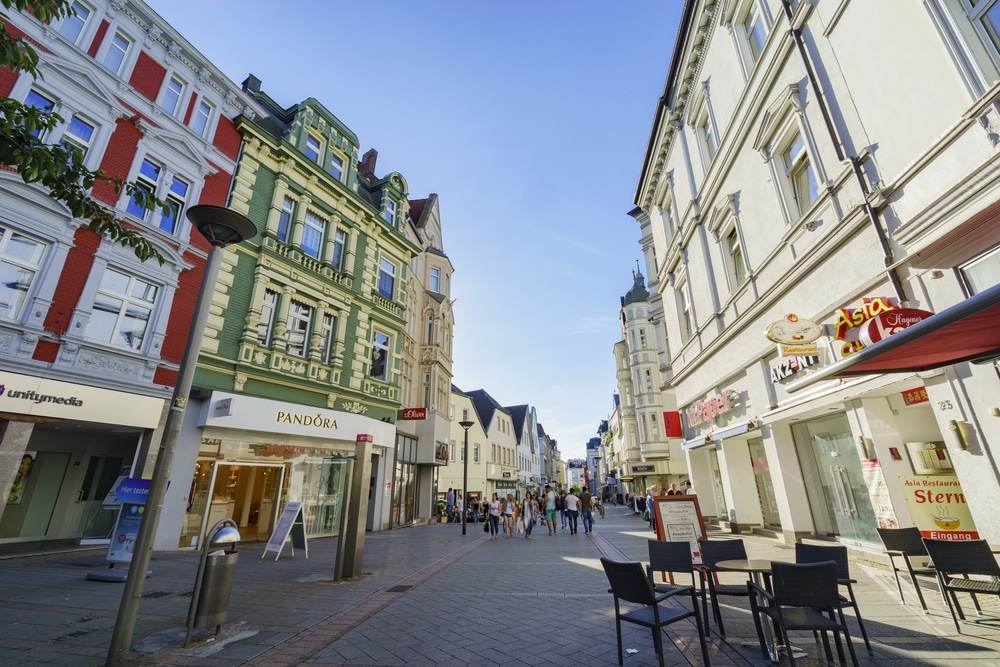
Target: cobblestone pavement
x=431 y=596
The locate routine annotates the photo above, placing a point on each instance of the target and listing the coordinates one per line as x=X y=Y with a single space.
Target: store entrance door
x=831 y=468
x=247 y=493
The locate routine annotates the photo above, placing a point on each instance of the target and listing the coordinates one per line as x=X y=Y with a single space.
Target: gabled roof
x=486 y=406
x=518 y=415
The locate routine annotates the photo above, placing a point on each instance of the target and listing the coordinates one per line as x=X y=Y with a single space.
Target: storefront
x=64 y=446
x=255 y=454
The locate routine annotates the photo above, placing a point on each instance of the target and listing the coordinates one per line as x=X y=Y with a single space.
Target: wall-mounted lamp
x=958 y=428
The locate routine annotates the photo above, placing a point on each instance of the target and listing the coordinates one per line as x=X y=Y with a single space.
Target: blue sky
x=528 y=119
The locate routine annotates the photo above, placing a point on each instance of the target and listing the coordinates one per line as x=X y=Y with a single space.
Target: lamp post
x=465 y=472
x=220 y=227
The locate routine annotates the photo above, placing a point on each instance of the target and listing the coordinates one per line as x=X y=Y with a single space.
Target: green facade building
x=302 y=354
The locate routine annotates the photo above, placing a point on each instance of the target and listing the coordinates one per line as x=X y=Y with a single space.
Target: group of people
x=651 y=492
x=508 y=514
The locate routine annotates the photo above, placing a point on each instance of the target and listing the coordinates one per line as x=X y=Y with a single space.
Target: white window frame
x=337 y=166
x=746 y=45
x=147 y=183
x=435 y=280
x=201 y=119
x=328 y=331
x=74 y=19
x=70 y=139
x=112 y=47
x=173 y=88
x=385 y=347
x=386 y=273
x=800 y=177
x=313 y=148
x=178 y=198
x=24 y=267
x=339 y=248
x=317 y=225
x=982 y=272
x=298 y=328
x=685 y=314
x=127 y=300
x=268 y=311
x=286 y=217
x=735 y=257
x=390 y=211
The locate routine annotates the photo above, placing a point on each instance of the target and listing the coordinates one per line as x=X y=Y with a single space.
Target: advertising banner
x=126 y=530
x=878 y=491
x=938 y=507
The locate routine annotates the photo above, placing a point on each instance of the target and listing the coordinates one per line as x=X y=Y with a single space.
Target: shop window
x=20 y=260
x=121 y=310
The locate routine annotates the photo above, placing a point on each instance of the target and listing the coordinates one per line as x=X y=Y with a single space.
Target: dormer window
x=390 y=211
x=312 y=148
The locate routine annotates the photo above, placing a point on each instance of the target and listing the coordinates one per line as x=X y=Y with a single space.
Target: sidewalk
x=430 y=596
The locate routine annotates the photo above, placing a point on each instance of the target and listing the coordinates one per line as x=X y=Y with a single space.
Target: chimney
x=251 y=84
x=367 y=165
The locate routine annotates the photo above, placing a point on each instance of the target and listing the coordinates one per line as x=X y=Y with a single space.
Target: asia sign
x=938 y=507
x=850 y=320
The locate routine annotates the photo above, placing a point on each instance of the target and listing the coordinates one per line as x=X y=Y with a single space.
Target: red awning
x=968 y=331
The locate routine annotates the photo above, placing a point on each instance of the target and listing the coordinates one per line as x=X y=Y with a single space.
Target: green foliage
x=55 y=167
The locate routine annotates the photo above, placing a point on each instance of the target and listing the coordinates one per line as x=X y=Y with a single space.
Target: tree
x=56 y=167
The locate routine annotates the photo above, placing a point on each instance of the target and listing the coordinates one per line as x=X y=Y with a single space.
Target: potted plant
x=442 y=517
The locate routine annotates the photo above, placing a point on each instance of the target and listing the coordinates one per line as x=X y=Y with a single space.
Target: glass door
x=765 y=487
x=831 y=469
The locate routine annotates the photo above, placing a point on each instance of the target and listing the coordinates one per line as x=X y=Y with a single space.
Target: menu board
x=678 y=519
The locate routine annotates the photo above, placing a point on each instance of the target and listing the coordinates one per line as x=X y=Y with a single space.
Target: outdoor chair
x=713 y=551
x=812 y=553
x=629 y=583
x=906 y=543
x=670 y=558
x=806 y=597
x=957 y=563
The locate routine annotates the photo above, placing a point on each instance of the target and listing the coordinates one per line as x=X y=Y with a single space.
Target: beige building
x=802 y=195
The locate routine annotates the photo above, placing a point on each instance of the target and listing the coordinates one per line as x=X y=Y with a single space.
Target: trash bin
x=734 y=527
x=216 y=585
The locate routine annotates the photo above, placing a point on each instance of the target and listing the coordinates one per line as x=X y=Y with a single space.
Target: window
x=475 y=453
x=146 y=180
x=20 y=260
x=78 y=135
x=121 y=310
x=390 y=211
x=297 y=333
x=754 y=30
x=685 y=320
x=706 y=137
x=339 y=241
x=38 y=101
x=312 y=148
x=799 y=174
x=176 y=198
x=429 y=331
x=986 y=15
x=435 y=285
x=73 y=25
x=312 y=235
x=114 y=57
x=734 y=259
x=202 y=115
x=983 y=272
x=327 y=332
x=386 y=278
x=267 y=310
x=642 y=339
x=380 y=356
x=172 y=95
x=336 y=167
x=285 y=218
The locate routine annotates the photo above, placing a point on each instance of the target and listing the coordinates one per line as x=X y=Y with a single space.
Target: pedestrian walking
x=494 y=517
x=688 y=489
x=529 y=515
x=508 y=515
x=651 y=514
x=674 y=491
x=561 y=506
x=449 y=505
x=550 y=509
x=587 y=511
x=572 y=504
x=459 y=508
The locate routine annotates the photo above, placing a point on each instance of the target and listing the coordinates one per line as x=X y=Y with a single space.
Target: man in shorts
x=550 y=509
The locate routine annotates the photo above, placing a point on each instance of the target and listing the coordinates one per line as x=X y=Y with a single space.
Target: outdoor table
x=756 y=567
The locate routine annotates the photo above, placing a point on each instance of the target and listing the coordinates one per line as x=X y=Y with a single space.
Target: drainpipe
x=873 y=216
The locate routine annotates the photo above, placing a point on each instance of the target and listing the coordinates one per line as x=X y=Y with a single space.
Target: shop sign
x=794 y=330
x=938 y=507
x=643 y=468
x=914 y=396
x=672 y=424
x=318 y=420
x=848 y=322
x=878 y=491
x=790 y=366
x=798 y=350
x=709 y=409
x=884 y=325
x=411 y=414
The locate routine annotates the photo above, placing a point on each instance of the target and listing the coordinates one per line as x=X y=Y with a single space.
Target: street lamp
x=465 y=472
x=220 y=227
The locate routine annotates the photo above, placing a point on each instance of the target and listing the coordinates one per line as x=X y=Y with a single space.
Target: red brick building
x=90 y=337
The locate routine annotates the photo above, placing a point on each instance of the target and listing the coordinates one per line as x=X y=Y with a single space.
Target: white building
x=800 y=179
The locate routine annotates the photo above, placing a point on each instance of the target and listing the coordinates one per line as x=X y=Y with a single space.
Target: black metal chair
x=906 y=543
x=630 y=583
x=956 y=562
x=713 y=551
x=670 y=558
x=813 y=553
x=806 y=597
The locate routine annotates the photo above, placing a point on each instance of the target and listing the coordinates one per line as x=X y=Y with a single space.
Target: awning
x=719 y=436
x=968 y=331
